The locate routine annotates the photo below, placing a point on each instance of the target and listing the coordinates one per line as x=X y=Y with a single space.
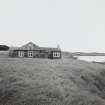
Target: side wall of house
x=13 y=53
x=25 y=53
x=40 y=54
x=54 y=53
x=37 y=54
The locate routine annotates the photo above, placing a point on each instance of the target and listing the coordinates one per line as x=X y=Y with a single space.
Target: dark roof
x=32 y=46
x=49 y=49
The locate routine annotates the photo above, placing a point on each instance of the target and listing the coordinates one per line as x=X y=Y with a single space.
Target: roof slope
x=29 y=46
x=32 y=46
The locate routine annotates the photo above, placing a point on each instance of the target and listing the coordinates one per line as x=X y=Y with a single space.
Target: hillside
x=28 y=81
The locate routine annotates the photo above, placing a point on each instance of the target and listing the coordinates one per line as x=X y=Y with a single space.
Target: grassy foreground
x=30 y=81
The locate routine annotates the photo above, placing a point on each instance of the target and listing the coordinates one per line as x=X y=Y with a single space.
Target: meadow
x=66 y=81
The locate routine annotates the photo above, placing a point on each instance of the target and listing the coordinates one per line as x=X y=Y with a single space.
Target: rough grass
x=30 y=81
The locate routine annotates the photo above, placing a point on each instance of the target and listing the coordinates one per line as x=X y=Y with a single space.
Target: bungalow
x=33 y=51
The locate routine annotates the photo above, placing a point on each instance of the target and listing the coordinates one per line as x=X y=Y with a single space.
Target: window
x=53 y=54
x=56 y=54
x=30 y=53
x=21 y=53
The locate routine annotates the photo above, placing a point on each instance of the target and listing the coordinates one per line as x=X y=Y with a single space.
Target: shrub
x=4 y=48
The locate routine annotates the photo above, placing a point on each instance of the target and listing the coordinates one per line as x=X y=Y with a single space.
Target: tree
x=4 y=48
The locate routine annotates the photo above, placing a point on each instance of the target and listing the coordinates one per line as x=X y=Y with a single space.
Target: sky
x=76 y=25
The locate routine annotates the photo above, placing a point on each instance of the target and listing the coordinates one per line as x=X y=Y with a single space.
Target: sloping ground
x=30 y=81
x=4 y=54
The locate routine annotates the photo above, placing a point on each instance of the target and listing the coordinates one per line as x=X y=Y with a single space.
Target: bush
x=4 y=48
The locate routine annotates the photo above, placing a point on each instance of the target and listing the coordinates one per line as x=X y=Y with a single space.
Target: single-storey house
x=31 y=50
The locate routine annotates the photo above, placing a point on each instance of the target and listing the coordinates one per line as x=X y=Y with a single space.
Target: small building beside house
x=31 y=50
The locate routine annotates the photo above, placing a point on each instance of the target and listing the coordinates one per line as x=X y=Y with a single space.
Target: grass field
x=27 y=81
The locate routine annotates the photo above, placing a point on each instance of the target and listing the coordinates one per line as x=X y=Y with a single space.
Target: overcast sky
x=76 y=25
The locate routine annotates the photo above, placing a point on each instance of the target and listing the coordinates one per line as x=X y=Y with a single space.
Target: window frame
x=56 y=54
x=21 y=53
x=30 y=53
